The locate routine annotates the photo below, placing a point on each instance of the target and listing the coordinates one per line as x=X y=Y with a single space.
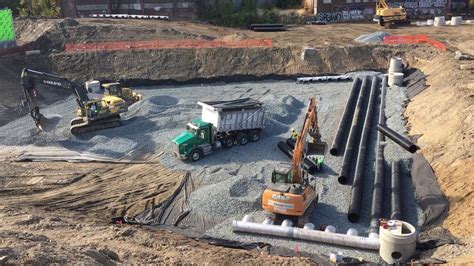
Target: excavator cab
x=282 y=174
x=127 y=94
x=287 y=199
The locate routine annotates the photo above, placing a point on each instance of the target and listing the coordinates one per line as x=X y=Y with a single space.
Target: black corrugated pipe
x=397 y=138
x=383 y=91
x=357 y=186
x=337 y=143
x=353 y=134
x=307 y=164
x=376 y=211
x=396 y=206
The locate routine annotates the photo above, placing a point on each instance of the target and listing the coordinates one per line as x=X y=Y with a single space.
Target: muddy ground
x=66 y=206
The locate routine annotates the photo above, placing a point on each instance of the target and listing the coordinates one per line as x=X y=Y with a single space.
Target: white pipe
x=268 y=221
x=330 y=229
x=287 y=223
x=305 y=234
x=352 y=232
x=323 y=79
x=309 y=226
x=248 y=218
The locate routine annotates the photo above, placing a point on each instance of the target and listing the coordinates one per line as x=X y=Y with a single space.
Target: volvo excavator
x=292 y=195
x=91 y=114
x=387 y=16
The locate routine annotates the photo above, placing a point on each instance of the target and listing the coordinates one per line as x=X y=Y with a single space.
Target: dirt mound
x=52 y=35
x=234 y=37
x=442 y=116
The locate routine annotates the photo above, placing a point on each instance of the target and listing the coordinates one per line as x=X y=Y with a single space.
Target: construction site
x=154 y=138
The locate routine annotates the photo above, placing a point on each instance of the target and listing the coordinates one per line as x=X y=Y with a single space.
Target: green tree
x=44 y=8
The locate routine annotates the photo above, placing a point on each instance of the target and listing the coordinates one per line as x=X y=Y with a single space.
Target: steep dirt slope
x=443 y=115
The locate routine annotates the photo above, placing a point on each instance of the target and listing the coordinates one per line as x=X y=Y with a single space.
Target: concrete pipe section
x=396 y=65
x=395 y=79
x=397 y=241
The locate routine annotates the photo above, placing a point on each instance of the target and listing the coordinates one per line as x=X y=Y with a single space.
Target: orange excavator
x=292 y=194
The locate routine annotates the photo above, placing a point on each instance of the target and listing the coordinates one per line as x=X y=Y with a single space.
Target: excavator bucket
x=43 y=123
x=316 y=152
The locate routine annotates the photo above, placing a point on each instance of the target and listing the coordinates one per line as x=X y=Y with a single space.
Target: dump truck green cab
x=192 y=142
x=222 y=124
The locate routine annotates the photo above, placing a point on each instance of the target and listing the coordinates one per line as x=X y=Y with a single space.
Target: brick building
x=172 y=8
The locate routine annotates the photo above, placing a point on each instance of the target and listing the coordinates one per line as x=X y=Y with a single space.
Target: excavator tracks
x=79 y=126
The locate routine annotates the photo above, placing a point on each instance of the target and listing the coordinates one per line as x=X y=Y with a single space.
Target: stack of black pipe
x=346 y=118
x=353 y=134
x=267 y=27
x=357 y=186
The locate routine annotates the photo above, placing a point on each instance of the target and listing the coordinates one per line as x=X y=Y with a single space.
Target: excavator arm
x=30 y=81
x=310 y=126
x=382 y=4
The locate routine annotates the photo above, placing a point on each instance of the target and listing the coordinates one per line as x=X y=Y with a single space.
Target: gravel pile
x=372 y=38
x=230 y=182
x=242 y=193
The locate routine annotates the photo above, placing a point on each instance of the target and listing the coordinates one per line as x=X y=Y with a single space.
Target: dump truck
x=222 y=123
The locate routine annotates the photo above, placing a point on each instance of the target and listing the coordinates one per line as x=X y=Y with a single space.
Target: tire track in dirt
x=104 y=190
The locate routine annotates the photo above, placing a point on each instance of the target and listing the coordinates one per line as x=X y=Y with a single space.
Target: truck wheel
x=254 y=136
x=195 y=155
x=228 y=142
x=243 y=139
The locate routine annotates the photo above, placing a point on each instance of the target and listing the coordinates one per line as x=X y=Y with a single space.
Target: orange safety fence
x=413 y=39
x=167 y=44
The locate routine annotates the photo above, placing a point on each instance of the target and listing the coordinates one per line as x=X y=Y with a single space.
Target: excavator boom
x=92 y=114
x=310 y=124
x=291 y=194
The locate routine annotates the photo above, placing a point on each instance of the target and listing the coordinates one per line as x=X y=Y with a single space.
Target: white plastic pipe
x=323 y=79
x=439 y=21
x=352 y=232
x=456 y=21
x=330 y=229
x=305 y=234
x=309 y=226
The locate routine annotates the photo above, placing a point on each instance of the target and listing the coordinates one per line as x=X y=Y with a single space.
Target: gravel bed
x=230 y=182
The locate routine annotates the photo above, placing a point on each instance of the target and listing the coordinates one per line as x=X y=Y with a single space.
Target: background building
x=172 y=8
x=353 y=10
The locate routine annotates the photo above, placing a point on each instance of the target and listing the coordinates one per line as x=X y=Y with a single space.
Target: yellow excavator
x=292 y=195
x=91 y=114
x=387 y=16
x=128 y=95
